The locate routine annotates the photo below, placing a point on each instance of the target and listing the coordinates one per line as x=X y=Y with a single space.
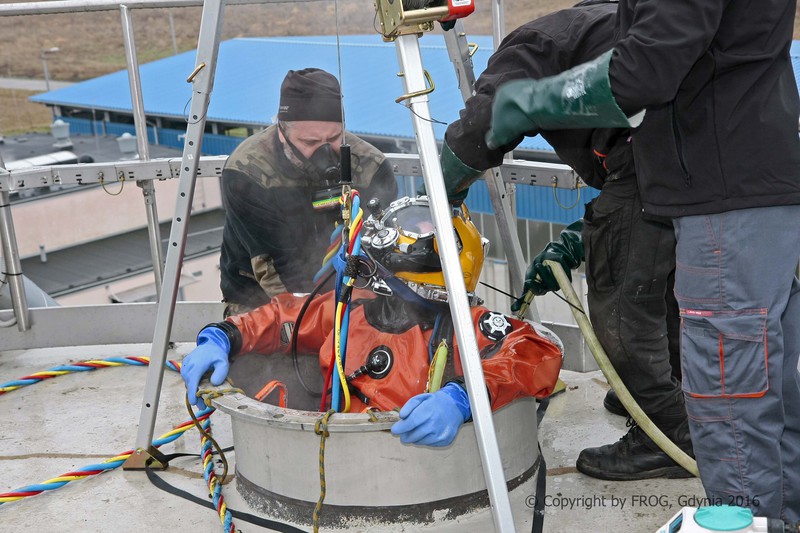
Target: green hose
x=663 y=442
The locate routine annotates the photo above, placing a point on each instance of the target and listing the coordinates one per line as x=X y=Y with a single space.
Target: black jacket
x=545 y=47
x=716 y=79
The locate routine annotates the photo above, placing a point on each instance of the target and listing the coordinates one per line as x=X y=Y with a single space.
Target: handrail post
x=140 y=123
x=13 y=268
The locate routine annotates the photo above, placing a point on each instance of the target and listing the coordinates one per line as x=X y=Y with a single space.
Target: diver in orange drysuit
x=393 y=334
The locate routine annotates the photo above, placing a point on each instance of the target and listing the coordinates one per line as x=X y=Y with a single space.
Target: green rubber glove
x=458 y=176
x=577 y=98
x=568 y=251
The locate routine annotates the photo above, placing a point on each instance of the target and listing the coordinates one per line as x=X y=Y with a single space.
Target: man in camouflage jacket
x=279 y=191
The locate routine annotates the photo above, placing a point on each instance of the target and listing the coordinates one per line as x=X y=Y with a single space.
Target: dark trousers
x=630 y=269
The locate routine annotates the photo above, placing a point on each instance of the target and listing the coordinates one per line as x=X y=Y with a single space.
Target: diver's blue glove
x=433 y=419
x=211 y=352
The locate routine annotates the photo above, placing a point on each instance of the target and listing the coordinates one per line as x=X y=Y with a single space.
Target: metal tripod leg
x=202 y=80
x=458 y=50
x=408 y=54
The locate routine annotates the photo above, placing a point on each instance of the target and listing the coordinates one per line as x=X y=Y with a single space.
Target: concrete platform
x=71 y=421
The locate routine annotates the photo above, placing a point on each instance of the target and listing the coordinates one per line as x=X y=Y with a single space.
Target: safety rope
x=99 y=468
x=83 y=366
x=321 y=429
x=206 y=444
x=199 y=420
x=108 y=464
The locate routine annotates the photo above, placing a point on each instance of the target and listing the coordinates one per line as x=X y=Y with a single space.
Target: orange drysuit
x=516 y=360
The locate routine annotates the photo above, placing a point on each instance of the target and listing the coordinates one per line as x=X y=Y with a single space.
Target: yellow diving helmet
x=401 y=238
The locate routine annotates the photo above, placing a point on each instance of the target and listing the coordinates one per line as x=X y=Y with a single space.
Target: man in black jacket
x=630 y=259
x=280 y=190
x=711 y=88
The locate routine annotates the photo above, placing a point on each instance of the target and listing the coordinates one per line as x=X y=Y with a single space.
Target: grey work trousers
x=740 y=308
x=630 y=262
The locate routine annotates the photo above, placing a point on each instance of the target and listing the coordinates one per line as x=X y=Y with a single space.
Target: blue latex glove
x=433 y=419
x=211 y=352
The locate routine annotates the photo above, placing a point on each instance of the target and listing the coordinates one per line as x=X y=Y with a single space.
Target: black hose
x=246 y=517
x=296 y=328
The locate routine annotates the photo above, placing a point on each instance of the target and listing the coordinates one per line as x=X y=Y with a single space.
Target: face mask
x=326 y=162
x=323 y=163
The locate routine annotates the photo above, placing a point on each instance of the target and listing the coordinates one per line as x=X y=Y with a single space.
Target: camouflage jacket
x=274 y=238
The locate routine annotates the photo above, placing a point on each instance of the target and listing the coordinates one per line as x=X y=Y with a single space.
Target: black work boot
x=613 y=404
x=636 y=456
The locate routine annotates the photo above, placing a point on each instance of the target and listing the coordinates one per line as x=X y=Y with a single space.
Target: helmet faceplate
x=402 y=239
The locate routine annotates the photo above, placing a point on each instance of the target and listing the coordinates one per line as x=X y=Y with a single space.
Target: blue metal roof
x=250 y=72
x=794 y=52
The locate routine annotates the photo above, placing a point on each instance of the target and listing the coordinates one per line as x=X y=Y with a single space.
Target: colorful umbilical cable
x=352 y=244
x=330 y=253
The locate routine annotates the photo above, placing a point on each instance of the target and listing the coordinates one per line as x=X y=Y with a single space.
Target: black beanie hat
x=310 y=94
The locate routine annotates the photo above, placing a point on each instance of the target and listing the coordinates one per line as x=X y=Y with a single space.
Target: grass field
x=17 y=115
x=91 y=44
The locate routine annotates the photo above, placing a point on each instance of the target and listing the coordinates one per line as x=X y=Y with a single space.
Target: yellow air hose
x=652 y=431
x=436 y=371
